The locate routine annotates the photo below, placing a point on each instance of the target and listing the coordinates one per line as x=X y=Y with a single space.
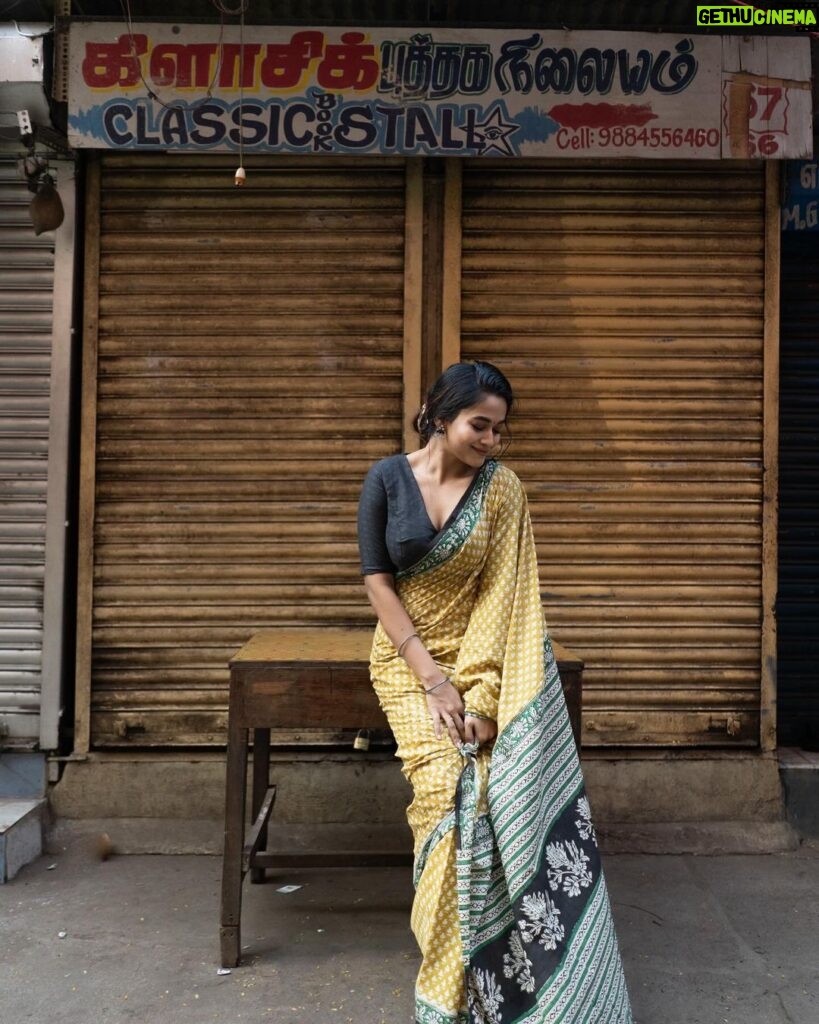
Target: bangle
x=404 y=643
x=432 y=689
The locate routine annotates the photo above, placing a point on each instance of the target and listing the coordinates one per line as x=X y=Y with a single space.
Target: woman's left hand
x=479 y=730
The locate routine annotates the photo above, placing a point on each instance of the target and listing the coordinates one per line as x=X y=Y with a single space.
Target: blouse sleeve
x=372 y=525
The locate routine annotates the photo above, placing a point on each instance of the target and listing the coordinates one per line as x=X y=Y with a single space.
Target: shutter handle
x=126 y=730
x=627 y=725
x=730 y=724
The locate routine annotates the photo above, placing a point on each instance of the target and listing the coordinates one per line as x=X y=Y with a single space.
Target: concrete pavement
x=705 y=940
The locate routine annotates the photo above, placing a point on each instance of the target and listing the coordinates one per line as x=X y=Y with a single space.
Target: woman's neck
x=441 y=466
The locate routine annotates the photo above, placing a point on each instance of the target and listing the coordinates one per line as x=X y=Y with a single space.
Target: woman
x=511 y=911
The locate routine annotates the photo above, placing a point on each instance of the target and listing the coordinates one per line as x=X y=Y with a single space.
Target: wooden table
x=298 y=678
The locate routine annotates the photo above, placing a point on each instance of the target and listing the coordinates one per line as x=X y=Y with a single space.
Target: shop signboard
x=800 y=210
x=437 y=92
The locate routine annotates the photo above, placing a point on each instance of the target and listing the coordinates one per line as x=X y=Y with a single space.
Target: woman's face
x=476 y=431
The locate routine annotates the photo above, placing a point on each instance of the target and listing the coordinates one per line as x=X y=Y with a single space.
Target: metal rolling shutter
x=249 y=372
x=626 y=304
x=26 y=279
x=798 y=598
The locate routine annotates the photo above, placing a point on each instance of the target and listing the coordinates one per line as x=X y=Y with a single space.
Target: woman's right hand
x=446 y=709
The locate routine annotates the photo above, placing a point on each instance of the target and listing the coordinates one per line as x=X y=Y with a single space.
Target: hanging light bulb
x=46 y=209
x=240 y=177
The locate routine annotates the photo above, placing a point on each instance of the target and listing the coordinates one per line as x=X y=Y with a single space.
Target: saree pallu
x=511 y=911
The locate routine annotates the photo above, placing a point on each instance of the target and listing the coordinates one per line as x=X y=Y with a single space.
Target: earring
x=439 y=431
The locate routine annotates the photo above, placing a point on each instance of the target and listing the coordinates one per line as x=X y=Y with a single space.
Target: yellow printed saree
x=511 y=911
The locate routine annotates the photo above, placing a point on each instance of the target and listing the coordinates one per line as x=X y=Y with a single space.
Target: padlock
x=362 y=740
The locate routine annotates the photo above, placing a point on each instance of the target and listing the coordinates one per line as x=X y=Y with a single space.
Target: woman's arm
x=445 y=705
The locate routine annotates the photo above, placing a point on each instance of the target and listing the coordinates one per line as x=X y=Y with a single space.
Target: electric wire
x=223 y=11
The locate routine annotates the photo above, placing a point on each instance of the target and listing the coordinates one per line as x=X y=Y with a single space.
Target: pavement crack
x=719 y=911
x=657 y=919
x=784 y=1008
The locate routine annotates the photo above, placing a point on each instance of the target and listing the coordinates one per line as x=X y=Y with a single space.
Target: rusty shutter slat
x=26 y=305
x=798 y=596
x=626 y=305
x=250 y=371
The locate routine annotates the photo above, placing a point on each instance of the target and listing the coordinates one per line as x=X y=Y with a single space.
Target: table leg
x=261 y=780
x=235 y=794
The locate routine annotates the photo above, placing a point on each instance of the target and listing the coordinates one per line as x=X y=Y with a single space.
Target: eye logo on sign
x=494 y=132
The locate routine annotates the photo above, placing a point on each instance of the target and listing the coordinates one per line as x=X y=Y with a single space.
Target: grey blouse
x=394 y=529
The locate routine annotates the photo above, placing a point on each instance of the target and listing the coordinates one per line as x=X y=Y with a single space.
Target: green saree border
x=445 y=825
x=507 y=736
x=426 y=1013
x=457 y=532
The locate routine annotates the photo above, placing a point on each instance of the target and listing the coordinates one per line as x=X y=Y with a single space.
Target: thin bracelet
x=404 y=642
x=432 y=689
